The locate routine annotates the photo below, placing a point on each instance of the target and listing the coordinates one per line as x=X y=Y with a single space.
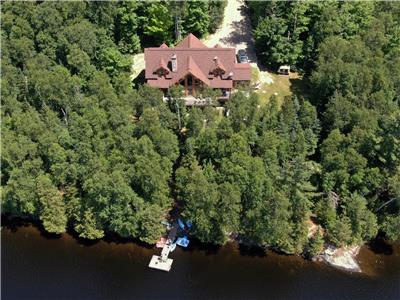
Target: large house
x=194 y=65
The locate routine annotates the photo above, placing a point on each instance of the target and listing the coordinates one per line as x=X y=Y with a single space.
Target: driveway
x=235 y=30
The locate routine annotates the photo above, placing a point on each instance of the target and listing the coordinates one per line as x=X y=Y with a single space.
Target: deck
x=195 y=101
x=162 y=262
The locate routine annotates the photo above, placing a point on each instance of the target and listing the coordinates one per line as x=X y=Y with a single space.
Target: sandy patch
x=137 y=65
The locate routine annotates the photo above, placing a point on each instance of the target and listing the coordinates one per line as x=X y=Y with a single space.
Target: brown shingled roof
x=193 y=57
x=193 y=69
x=218 y=64
x=191 y=42
x=242 y=72
x=163 y=64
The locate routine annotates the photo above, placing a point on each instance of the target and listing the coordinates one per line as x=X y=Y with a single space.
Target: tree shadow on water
x=196 y=246
x=252 y=251
x=380 y=246
x=13 y=223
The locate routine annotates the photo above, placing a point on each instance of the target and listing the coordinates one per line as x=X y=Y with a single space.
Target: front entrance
x=192 y=85
x=191 y=90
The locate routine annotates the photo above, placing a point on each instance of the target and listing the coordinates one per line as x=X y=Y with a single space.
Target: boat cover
x=182 y=241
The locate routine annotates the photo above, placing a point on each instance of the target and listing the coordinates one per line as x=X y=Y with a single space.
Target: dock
x=156 y=262
x=162 y=262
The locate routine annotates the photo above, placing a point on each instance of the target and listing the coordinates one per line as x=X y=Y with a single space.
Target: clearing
x=278 y=85
x=235 y=31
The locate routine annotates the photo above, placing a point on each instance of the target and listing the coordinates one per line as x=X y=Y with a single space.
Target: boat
x=181 y=224
x=182 y=241
x=188 y=224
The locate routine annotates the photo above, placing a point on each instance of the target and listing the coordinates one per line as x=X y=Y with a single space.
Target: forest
x=85 y=149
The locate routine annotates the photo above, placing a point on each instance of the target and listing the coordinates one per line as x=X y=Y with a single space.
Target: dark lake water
x=34 y=266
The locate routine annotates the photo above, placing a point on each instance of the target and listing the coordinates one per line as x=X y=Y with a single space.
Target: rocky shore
x=342 y=258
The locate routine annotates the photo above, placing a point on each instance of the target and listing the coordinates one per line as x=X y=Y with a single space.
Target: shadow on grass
x=300 y=87
x=140 y=79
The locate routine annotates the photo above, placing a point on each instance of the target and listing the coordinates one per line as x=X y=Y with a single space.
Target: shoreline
x=340 y=258
x=344 y=258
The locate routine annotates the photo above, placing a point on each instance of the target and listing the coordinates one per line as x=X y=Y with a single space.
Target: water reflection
x=38 y=266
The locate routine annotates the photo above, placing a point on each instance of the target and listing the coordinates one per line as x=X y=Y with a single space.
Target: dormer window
x=218 y=68
x=162 y=69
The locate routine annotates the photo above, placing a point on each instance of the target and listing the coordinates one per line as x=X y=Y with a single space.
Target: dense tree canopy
x=83 y=149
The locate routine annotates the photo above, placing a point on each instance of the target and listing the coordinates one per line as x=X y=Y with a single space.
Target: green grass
x=282 y=86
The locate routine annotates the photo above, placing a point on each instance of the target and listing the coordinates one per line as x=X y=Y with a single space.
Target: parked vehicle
x=242 y=56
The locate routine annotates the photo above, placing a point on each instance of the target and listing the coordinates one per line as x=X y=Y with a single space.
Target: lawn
x=282 y=85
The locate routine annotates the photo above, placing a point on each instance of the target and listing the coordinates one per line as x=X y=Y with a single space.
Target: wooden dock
x=162 y=262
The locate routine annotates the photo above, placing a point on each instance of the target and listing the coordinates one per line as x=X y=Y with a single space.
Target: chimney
x=174 y=63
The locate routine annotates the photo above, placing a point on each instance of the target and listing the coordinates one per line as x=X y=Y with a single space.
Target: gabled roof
x=218 y=65
x=193 y=69
x=191 y=42
x=162 y=65
x=163 y=45
x=191 y=56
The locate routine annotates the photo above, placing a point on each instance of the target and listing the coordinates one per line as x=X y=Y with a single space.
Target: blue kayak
x=181 y=224
x=188 y=224
x=182 y=241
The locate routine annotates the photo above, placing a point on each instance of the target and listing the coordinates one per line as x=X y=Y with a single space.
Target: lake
x=36 y=266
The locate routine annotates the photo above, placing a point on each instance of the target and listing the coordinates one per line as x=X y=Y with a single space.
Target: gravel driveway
x=235 y=30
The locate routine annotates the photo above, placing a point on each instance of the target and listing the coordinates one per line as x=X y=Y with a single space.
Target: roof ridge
x=191 y=41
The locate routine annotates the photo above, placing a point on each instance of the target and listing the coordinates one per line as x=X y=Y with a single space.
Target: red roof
x=192 y=68
x=163 y=65
x=195 y=58
x=242 y=72
x=191 y=42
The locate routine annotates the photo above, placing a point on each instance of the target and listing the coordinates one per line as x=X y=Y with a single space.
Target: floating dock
x=157 y=262
x=162 y=262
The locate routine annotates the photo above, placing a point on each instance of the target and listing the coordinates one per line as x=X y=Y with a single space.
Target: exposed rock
x=343 y=258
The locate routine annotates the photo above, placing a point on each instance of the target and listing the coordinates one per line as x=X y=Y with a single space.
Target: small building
x=194 y=66
x=284 y=70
